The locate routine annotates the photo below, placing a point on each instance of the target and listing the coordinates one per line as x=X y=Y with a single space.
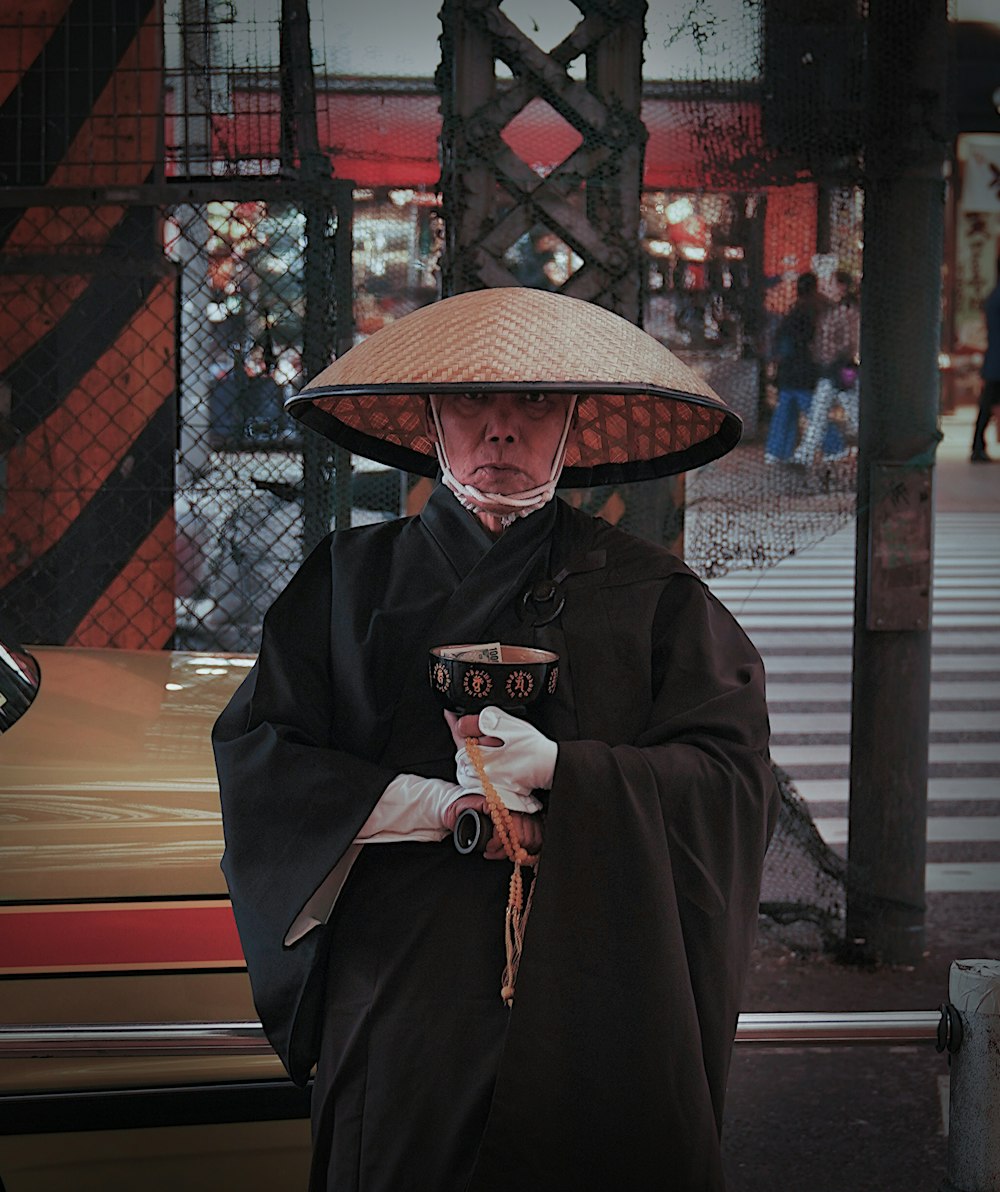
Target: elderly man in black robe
x=641 y=789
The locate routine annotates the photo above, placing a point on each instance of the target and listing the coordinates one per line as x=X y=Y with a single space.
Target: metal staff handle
x=472 y=831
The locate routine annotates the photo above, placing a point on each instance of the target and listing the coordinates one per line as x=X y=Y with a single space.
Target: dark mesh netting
x=803 y=893
x=256 y=191
x=771 y=95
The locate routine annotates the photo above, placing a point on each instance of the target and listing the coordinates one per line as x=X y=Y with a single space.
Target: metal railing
x=892 y=1027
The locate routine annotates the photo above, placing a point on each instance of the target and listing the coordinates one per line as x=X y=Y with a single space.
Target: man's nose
x=501 y=423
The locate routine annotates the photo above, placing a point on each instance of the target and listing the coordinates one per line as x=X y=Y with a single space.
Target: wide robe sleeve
x=645 y=906
x=291 y=802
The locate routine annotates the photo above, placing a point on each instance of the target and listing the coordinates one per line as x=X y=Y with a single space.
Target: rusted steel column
x=491 y=197
x=905 y=146
x=614 y=71
x=467 y=79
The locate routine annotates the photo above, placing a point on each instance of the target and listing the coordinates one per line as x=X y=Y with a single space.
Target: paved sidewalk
x=960 y=486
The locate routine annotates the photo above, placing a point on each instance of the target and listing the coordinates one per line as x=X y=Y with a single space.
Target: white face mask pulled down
x=507 y=506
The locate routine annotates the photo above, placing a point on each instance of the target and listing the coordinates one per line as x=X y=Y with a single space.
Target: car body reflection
x=114 y=913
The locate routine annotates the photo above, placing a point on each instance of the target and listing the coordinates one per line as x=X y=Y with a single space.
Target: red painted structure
x=86 y=330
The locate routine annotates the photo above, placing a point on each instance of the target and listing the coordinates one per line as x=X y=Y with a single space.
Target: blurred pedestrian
x=990 y=396
x=796 y=372
x=245 y=404
x=835 y=348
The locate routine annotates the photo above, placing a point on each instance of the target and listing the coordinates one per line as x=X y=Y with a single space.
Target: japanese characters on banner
x=977 y=237
x=981 y=179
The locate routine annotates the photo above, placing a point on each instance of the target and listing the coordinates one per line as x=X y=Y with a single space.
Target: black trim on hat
x=302 y=407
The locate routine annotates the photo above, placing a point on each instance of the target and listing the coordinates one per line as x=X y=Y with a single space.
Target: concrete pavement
x=961 y=487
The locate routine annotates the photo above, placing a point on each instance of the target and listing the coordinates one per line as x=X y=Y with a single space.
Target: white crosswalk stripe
x=939 y=790
x=800 y=615
x=948 y=828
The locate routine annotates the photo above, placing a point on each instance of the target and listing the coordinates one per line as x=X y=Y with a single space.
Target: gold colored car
x=130 y=1054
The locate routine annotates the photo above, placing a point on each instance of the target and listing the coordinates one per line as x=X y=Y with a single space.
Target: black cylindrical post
x=904 y=154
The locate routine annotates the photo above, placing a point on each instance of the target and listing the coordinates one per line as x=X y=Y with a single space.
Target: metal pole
x=974 y=1097
x=84 y=1040
x=326 y=474
x=196 y=342
x=904 y=154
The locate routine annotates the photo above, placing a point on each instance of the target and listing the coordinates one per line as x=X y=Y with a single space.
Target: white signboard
x=981 y=179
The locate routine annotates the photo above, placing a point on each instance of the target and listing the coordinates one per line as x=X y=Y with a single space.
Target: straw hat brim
x=641 y=412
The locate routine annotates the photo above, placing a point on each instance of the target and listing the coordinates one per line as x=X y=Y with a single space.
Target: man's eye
x=535 y=399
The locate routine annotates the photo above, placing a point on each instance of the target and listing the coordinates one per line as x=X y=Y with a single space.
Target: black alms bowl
x=464 y=683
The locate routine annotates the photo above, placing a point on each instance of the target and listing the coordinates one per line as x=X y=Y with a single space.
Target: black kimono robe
x=610 y=1069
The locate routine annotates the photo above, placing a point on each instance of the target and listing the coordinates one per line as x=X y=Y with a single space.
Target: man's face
x=502 y=442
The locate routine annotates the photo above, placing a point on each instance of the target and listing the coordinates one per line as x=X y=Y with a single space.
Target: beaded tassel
x=516 y=918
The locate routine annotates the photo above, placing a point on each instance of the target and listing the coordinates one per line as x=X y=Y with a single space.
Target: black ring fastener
x=472 y=831
x=545 y=592
x=949 y=1031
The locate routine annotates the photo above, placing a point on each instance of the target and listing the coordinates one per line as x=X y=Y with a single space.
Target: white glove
x=525 y=761
x=411 y=808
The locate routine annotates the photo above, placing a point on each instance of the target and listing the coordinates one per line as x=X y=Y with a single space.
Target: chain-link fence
x=171 y=270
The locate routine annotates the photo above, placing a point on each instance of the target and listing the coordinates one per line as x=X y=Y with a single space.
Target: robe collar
x=465 y=542
x=452 y=584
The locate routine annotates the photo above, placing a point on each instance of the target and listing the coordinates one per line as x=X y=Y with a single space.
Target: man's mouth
x=496 y=467
x=492 y=472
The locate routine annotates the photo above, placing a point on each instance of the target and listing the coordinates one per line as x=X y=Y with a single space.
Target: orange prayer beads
x=517 y=913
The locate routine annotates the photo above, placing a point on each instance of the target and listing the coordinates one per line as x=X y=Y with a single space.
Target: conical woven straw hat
x=642 y=412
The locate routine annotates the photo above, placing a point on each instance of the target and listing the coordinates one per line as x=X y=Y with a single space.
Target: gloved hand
x=411 y=808
x=524 y=760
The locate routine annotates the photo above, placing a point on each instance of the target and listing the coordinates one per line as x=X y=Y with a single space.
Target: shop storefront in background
x=975 y=232
x=723 y=243
x=397 y=237
x=697 y=246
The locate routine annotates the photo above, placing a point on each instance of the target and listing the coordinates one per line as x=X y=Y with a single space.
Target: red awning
x=391 y=139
